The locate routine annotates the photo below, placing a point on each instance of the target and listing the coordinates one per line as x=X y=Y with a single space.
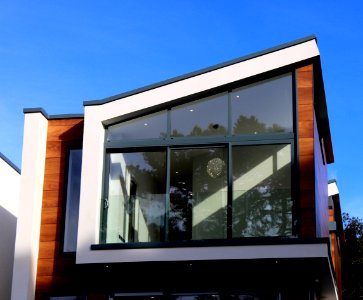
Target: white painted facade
x=9 y=197
x=30 y=203
x=93 y=146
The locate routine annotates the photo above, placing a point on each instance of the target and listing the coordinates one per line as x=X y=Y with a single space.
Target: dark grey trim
x=51 y=117
x=36 y=110
x=10 y=163
x=66 y=116
x=332 y=181
x=245 y=241
x=199 y=72
x=205 y=140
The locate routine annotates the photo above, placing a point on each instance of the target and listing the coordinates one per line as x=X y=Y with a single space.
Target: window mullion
x=167 y=195
x=229 y=192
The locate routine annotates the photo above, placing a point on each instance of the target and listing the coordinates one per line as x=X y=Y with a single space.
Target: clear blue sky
x=56 y=54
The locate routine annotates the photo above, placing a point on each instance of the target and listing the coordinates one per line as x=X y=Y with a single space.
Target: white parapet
x=30 y=204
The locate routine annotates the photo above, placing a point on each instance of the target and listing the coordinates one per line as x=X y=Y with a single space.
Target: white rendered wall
x=9 y=187
x=30 y=203
x=93 y=139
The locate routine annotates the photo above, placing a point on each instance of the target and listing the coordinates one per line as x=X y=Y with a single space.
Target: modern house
x=9 y=187
x=211 y=185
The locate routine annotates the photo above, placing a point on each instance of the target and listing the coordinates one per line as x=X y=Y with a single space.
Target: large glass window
x=146 y=127
x=198 y=194
x=262 y=190
x=135 y=206
x=264 y=107
x=224 y=184
x=72 y=200
x=205 y=117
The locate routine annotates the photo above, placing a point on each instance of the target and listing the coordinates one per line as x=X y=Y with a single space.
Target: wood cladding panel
x=52 y=198
x=48 y=249
x=51 y=215
x=55 y=270
x=306 y=146
x=305 y=115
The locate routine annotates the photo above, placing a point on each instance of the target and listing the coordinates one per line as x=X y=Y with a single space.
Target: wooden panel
x=54 y=149
x=52 y=198
x=67 y=122
x=48 y=249
x=306 y=146
x=54 y=165
x=307 y=198
x=306 y=129
x=49 y=232
x=305 y=115
x=51 y=215
x=53 y=182
x=307 y=163
x=56 y=272
x=49 y=267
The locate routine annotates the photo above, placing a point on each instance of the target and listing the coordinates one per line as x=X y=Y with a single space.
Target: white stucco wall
x=30 y=203
x=9 y=197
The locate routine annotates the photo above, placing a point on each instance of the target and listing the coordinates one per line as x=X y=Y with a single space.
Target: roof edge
x=52 y=117
x=199 y=72
x=10 y=163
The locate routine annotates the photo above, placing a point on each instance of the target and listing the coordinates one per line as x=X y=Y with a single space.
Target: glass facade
x=202 y=117
x=262 y=202
x=222 y=185
x=146 y=127
x=264 y=107
x=198 y=194
x=136 y=197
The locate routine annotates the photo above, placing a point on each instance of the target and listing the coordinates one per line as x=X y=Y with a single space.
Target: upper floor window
x=264 y=107
x=193 y=172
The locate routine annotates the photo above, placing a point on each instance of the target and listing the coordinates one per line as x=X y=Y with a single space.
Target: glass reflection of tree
x=251 y=125
x=264 y=210
x=146 y=195
x=212 y=129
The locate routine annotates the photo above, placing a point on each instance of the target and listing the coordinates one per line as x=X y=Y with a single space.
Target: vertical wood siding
x=56 y=271
x=305 y=114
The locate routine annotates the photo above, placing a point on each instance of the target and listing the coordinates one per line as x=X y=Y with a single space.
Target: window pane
x=203 y=117
x=136 y=197
x=198 y=194
x=262 y=191
x=263 y=107
x=146 y=127
x=72 y=201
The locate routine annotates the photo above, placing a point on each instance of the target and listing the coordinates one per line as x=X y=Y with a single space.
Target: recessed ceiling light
x=191 y=110
x=237 y=96
x=145 y=124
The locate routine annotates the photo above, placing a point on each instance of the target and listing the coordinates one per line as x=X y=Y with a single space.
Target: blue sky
x=56 y=54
